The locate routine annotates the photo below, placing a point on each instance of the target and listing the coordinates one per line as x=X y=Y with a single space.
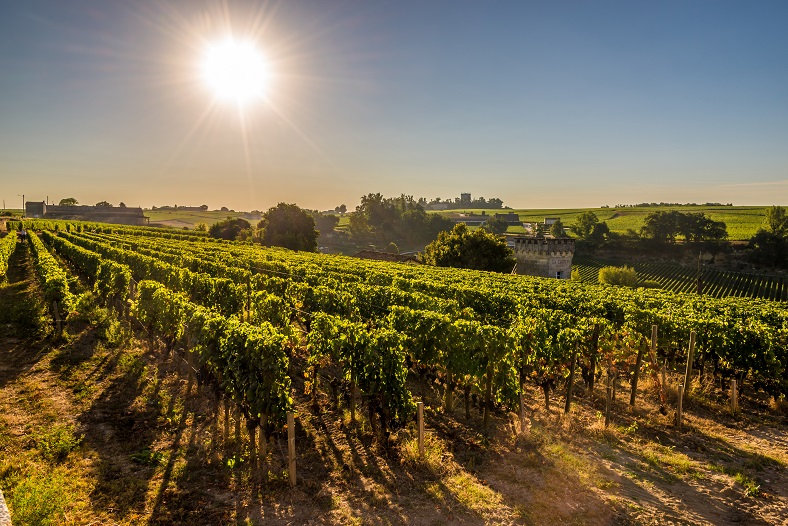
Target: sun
x=235 y=71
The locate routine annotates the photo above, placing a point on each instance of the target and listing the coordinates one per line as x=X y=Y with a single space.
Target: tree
x=103 y=204
x=201 y=227
x=479 y=250
x=122 y=204
x=776 y=222
x=287 y=225
x=341 y=209
x=68 y=201
x=496 y=225
x=584 y=225
x=204 y=208
x=325 y=223
x=557 y=229
x=770 y=244
x=625 y=276
x=662 y=226
x=229 y=228
x=401 y=218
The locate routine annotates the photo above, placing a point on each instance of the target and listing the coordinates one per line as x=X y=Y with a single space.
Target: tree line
x=670 y=230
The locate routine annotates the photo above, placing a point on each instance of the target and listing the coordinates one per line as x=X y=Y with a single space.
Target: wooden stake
x=571 y=380
x=262 y=450
x=690 y=357
x=638 y=362
x=226 y=421
x=734 y=397
x=252 y=452
x=522 y=411
x=420 y=417
x=291 y=453
x=679 y=412
x=608 y=403
x=448 y=399
x=56 y=315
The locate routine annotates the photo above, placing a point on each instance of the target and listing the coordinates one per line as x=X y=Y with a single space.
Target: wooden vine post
x=420 y=418
x=608 y=402
x=679 y=414
x=522 y=411
x=690 y=357
x=448 y=402
x=56 y=315
x=592 y=361
x=291 y=452
x=571 y=380
x=639 y=361
x=262 y=447
x=734 y=397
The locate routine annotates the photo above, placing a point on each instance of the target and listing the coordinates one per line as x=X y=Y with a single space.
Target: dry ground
x=97 y=428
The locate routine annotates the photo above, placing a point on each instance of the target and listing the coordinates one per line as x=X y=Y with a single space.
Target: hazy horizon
x=541 y=104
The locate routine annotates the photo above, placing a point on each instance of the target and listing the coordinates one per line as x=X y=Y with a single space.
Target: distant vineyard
x=680 y=278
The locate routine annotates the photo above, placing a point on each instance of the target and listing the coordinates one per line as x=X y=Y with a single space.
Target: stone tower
x=545 y=257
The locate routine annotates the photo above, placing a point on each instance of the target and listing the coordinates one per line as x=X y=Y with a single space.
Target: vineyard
x=252 y=322
x=479 y=332
x=684 y=279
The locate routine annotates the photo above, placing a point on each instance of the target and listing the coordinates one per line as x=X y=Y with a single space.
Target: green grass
x=209 y=217
x=742 y=221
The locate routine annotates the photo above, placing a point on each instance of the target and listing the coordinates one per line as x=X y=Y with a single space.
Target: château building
x=546 y=257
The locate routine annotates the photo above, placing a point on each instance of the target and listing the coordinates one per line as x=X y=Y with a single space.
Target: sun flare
x=236 y=71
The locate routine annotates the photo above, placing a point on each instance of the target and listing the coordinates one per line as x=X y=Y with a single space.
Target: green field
x=181 y=218
x=742 y=221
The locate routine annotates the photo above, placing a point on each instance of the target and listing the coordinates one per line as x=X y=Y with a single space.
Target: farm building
x=100 y=214
x=546 y=257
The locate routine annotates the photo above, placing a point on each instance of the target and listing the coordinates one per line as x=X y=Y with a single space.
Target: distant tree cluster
x=661 y=230
x=399 y=219
x=654 y=205
x=496 y=224
x=770 y=244
x=588 y=228
x=324 y=223
x=463 y=202
x=284 y=225
x=696 y=228
x=230 y=229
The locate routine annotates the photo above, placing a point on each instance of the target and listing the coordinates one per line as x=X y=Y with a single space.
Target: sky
x=543 y=104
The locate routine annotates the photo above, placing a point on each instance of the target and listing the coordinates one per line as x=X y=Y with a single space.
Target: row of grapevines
x=54 y=280
x=111 y=280
x=221 y=293
x=249 y=363
x=7 y=247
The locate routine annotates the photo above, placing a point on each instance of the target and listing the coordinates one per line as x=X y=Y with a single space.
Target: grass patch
x=57 y=442
x=453 y=483
x=666 y=457
x=40 y=498
x=751 y=486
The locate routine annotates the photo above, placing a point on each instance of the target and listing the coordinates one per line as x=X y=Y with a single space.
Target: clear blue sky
x=542 y=104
